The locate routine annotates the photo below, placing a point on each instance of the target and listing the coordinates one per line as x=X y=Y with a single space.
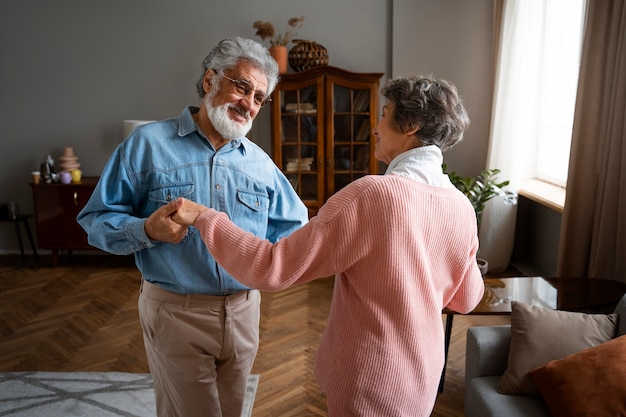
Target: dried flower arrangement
x=266 y=30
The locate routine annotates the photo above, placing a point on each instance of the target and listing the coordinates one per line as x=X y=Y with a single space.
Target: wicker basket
x=307 y=54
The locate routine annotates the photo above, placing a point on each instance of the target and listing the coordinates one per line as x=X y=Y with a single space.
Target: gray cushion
x=539 y=335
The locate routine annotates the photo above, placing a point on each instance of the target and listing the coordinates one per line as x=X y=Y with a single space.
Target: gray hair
x=432 y=106
x=229 y=52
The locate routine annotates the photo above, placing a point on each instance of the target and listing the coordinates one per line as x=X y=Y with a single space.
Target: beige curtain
x=593 y=229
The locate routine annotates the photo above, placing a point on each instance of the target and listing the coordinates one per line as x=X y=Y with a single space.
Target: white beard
x=223 y=124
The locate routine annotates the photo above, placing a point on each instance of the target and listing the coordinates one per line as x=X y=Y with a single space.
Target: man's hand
x=160 y=226
x=187 y=211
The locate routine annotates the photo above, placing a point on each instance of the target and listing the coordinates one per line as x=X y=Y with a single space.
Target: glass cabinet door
x=301 y=154
x=322 y=121
x=351 y=129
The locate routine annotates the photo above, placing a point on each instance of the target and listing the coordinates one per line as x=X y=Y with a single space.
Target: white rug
x=88 y=394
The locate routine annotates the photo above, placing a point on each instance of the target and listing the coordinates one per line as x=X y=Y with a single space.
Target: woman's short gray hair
x=432 y=106
x=228 y=52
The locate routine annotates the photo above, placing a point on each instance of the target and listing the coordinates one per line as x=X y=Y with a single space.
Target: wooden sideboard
x=56 y=207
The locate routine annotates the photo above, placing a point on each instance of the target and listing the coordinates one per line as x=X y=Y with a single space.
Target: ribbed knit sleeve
x=401 y=251
x=257 y=263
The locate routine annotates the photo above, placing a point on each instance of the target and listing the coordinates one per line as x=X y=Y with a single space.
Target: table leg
x=54 y=255
x=18 y=232
x=30 y=238
x=448 y=335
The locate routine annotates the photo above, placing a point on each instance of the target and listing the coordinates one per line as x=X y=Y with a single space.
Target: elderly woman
x=402 y=245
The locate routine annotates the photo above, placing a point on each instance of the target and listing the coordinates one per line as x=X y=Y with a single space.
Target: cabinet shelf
x=322 y=118
x=358 y=113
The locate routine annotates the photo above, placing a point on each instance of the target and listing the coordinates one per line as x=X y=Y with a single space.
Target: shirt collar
x=422 y=164
x=187 y=125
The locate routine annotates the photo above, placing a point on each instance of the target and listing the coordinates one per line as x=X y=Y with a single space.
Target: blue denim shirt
x=164 y=160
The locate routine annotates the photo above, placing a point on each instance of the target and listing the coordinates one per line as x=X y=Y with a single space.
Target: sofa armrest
x=486 y=351
x=620 y=310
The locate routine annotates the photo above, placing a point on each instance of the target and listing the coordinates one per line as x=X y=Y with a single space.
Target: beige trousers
x=200 y=349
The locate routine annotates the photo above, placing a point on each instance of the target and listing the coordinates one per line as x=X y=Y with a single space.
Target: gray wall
x=451 y=39
x=72 y=70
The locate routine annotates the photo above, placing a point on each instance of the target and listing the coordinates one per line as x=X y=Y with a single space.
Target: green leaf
x=479 y=190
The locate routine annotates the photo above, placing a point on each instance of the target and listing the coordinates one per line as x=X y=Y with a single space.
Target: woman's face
x=389 y=142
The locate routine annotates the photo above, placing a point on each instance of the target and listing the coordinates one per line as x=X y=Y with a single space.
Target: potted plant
x=479 y=190
x=278 y=40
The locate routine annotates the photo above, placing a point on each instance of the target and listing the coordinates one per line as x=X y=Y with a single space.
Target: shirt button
x=256 y=203
x=218 y=186
x=168 y=198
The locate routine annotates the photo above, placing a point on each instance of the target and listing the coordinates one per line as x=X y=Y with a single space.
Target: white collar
x=423 y=164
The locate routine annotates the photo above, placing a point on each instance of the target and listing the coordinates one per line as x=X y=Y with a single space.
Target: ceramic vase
x=280 y=54
x=69 y=160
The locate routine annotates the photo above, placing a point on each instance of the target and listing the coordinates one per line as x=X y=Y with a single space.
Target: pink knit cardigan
x=401 y=251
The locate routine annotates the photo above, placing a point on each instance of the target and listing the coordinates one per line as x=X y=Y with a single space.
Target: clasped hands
x=170 y=222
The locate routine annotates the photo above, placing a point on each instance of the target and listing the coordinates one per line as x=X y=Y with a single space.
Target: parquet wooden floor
x=82 y=316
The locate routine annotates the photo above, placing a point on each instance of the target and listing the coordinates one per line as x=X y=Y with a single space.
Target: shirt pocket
x=166 y=193
x=252 y=211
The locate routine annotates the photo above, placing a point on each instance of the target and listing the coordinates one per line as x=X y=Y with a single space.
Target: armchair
x=487 y=353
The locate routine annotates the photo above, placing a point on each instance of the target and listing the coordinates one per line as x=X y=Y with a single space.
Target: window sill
x=544 y=193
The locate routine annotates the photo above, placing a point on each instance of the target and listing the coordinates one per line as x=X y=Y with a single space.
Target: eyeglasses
x=243 y=89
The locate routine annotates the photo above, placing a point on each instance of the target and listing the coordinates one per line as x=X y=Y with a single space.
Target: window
x=558 y=79
x=535 y=93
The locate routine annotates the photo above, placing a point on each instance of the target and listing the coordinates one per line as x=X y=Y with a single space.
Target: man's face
x=233 y=104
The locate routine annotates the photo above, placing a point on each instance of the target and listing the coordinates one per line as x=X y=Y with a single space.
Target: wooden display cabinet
x=322 y=121
x=56 y=207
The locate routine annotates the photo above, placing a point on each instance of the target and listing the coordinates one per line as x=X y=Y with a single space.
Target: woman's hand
x=185 y=212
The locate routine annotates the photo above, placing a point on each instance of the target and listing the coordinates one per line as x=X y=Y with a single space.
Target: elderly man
x=200 y=324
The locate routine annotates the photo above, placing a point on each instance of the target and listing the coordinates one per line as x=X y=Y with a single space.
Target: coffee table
x=589 y=295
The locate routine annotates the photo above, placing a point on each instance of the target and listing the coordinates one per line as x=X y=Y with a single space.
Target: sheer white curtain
x=535 y=86
x=533 y=106
x=511 y=134
x=513 y=138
